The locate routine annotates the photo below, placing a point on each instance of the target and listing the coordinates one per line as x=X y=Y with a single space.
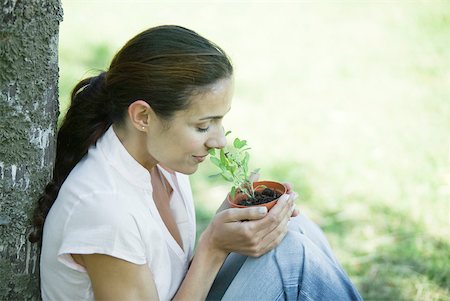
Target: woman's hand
x=250 y=231
x=292 y=195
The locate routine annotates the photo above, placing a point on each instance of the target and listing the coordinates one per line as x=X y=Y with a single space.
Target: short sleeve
x=101 y=224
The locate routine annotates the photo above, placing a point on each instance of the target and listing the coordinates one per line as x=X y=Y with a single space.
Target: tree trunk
x=28 y=119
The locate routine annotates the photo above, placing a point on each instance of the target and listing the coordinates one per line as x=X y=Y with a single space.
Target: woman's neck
x=135 y=143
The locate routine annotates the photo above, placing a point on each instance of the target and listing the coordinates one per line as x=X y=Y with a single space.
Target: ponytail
x=87 y=119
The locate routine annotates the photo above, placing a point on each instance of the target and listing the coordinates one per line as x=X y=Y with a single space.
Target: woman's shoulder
x=93 y=174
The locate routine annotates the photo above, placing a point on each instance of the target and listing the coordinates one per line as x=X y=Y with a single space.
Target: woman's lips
x=200 y=158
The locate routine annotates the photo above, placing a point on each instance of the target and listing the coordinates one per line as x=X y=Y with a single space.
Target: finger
x=241 y=214
x=286 y=213
x=283 y=205
x=272 y=239
x=295 y=213
x=288 y=186
x=275 y=215
x=293 y=195
x=274 y=243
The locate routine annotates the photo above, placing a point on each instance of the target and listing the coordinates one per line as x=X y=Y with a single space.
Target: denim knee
x=289 y=257
x=308 y=273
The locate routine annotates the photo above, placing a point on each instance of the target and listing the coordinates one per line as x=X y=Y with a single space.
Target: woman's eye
x=202 y=130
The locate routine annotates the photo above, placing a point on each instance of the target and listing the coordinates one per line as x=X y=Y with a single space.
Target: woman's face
x=184 y=142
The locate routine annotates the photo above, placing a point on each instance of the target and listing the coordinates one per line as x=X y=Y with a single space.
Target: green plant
x=233 y=161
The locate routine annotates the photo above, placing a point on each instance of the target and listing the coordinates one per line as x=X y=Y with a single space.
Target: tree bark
x=28 y=119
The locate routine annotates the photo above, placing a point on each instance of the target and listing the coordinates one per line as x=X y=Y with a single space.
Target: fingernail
x=262 y=210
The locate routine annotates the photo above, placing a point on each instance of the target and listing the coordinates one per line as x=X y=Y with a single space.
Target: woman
x=119 y=216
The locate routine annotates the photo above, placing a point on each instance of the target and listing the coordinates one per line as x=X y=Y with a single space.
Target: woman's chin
x=187 y=170
x=191 y=170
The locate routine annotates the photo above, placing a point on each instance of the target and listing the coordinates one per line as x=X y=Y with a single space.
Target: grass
x=347 y=100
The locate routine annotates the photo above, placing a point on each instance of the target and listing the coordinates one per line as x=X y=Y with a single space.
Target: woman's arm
x=116 y=279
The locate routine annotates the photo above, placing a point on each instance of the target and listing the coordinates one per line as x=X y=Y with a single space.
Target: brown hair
x=163 y=66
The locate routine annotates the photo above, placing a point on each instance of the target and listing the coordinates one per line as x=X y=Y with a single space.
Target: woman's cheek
x=194 y=145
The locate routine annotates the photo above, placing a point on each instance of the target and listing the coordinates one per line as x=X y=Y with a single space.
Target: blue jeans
x=302 y=267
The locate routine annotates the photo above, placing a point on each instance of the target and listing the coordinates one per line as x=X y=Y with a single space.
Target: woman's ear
x=140 y=114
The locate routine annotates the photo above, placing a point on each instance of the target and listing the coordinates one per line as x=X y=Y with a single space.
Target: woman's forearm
x=202 y=271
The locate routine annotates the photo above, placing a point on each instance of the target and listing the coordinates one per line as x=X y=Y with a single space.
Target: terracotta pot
x=258 y=186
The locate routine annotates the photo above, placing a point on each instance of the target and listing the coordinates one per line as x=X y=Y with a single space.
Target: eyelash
x=203 y=130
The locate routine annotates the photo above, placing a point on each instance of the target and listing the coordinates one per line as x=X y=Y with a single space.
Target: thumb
x=244 y=214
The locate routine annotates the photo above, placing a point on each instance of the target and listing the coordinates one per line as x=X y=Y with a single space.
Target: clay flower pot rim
x=279 y=187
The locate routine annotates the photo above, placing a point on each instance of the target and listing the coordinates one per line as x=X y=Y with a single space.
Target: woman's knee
x=304 y=266
x=290 y=257
x=302 y=224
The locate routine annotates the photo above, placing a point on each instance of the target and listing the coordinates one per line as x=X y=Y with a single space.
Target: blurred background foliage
x=347 y=100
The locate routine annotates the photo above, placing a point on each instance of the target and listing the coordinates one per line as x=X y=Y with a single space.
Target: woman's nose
x=217 y=140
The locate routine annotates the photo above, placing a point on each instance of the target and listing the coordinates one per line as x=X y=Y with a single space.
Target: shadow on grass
x=415 y=253
x=410 y=265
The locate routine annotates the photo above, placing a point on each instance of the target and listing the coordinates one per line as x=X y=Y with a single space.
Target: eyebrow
x=213 y=117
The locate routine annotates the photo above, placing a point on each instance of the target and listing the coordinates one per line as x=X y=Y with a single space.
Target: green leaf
x=233 y=160
x=215 y=176
x=233 y=192
x=223 y=159
x=237 y=143
x=246 y=159
x=260 y=187
x=245 y=171
x=216 y=162
x=227 y=177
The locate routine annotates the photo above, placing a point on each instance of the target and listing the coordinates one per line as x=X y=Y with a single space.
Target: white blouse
x=106 y=206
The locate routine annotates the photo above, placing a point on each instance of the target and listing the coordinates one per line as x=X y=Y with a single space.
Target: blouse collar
x=120 y=159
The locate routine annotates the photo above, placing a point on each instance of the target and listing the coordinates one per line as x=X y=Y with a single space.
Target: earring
x=143 y=128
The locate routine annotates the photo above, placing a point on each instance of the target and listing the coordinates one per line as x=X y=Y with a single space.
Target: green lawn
x=349 y=101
